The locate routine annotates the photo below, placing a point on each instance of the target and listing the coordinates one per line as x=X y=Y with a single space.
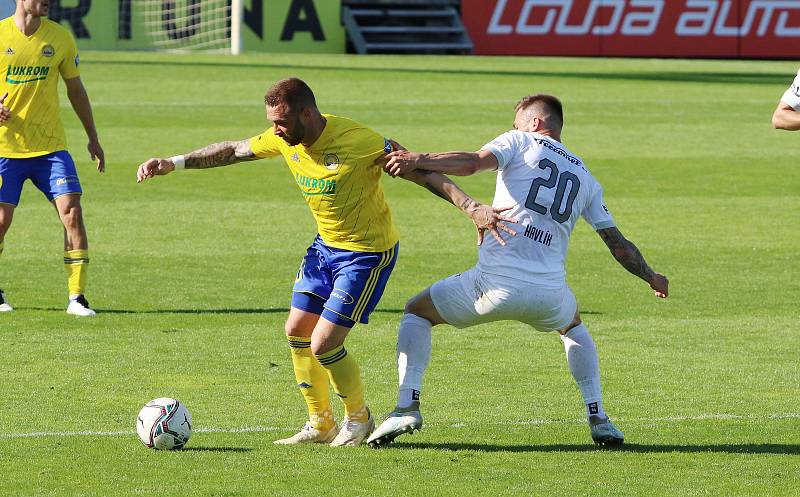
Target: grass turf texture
x=191 y=275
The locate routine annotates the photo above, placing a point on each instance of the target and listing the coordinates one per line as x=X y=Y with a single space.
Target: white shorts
x=475 y=297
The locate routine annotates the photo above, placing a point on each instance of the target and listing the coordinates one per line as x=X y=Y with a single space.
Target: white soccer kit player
x=792 y=96
x=549 y=188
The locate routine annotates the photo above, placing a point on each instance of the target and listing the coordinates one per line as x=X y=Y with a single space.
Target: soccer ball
x=164 y=424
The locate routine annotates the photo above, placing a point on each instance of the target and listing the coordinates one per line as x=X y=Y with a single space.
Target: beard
x=297 y=136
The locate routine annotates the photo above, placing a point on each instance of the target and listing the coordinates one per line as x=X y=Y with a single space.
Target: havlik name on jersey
x=17 y=75
x=537 y=235
x=315 y=186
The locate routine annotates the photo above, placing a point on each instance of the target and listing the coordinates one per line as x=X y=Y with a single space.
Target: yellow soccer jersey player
x=36 y=53
x=32 y=65
x=340 y=183
x=346 y=268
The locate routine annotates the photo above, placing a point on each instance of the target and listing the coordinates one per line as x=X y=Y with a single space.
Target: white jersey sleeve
x=504 y=148
x=596 y=212
x=792 y=96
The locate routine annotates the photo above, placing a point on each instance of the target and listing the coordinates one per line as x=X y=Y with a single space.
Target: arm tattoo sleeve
x=219 y=154
x=626 y=253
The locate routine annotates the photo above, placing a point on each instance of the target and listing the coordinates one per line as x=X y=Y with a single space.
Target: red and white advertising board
x=641 y=28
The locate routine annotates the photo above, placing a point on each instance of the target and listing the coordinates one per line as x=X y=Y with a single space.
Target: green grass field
x=191 y=275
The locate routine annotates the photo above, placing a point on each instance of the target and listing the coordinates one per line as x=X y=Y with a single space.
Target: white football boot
x=605 y=433
x=352 y=433
x=310 y=435
x=399 y=421
x=4 y=305
x=79 y=306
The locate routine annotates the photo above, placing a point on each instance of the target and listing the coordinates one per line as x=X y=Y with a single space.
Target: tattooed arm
x=485 y=217
x=214 y=155
x=626 y=253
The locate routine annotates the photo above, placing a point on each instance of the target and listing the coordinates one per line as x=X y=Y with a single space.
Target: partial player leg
x=6 y=216
x=413 y=356
x=311 y=378
x=585 y=368
x=76 y=252
x=327 y=344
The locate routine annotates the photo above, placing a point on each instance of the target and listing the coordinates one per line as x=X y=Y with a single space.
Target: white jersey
x=549 y=188
x=792 y=95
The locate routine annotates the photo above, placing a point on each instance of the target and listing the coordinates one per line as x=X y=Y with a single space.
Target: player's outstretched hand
x=400 y=162
x=154 y=167
x=489 y=218
x=5 y=111
x=660 y=285
x=97 y=155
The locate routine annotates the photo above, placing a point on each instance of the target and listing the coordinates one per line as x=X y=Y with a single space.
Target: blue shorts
x=342 y=286
x=54 y=174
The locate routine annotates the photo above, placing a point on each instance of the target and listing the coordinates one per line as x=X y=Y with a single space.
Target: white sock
x=585 y=368
x=413 y=355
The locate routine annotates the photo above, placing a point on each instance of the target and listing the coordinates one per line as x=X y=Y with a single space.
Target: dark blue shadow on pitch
x=265 y=310
x=216 y=449
x=763 y=78
x=767 y=448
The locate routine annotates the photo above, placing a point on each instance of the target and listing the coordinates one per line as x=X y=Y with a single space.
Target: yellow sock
x=313 y=382
x=76 y=262
x=346 y=380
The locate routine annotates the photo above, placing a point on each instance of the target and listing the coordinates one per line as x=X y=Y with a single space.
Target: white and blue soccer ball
x=164 y=424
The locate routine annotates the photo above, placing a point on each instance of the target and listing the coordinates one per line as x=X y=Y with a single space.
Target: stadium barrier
x=300 y=26
x=641 y=28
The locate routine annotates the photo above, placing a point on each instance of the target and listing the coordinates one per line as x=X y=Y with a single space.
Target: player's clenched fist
x=154 y=167
x=400 y=162
x=5 y=111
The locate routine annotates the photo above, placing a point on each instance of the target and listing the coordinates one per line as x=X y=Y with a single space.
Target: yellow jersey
x=32 y=65
x=340 y=183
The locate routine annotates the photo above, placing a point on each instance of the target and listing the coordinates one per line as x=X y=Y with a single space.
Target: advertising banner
x=306 y=26
x=642 y=28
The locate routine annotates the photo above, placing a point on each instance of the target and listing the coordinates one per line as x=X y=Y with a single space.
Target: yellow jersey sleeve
x=267 y=144
x=69 y=64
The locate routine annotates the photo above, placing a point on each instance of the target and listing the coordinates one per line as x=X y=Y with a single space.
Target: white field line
x=534 y=422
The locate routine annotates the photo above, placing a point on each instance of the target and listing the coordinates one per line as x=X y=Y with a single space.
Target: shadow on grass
x=764 y=78
x=628 y=447
x=216 y=449
x=265 y=310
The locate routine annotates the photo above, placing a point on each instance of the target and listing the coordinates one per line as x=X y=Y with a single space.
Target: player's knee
x=413 y=306
x=293 y=329
x=576 y=321
x=422 y=306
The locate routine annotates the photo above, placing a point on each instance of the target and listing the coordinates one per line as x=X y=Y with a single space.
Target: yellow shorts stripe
x=369 y=288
